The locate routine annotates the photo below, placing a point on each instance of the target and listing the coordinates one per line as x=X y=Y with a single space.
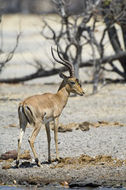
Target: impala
x=47 y=107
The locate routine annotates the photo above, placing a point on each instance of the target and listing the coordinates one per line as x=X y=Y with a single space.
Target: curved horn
x=56 y=58
x=64 y=62
x=69 y=64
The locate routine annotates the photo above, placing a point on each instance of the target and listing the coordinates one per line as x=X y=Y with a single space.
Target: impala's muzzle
x=82 y=93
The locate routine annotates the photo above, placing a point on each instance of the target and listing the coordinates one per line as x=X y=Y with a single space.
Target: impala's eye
x=72 y=82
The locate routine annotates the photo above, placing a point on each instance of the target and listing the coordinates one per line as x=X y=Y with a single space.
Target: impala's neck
x=64 y=92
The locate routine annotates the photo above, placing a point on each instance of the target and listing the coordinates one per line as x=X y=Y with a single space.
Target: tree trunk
x=113 y=37
x=123 y=27
x=77 y=61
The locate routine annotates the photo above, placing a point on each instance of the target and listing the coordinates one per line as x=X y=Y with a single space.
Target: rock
x=6 y=166
x=84 y=126
x=12 y=154
x=62 y=129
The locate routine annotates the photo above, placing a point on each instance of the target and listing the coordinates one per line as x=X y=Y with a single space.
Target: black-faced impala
x=47 y=107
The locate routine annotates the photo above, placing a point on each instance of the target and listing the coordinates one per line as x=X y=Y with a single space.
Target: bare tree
x=6 y=57
x=70 y=36
x=75 y=33
x=115 y=13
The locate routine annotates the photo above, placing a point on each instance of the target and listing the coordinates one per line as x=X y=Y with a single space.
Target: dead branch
x=38 y=74
x=10 y=54
x=106 y=59
x=43 y=73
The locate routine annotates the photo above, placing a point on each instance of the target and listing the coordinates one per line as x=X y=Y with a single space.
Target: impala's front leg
x=56 y=122
x=49 y=140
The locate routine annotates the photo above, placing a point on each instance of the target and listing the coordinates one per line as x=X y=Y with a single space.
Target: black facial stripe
x=72 y=82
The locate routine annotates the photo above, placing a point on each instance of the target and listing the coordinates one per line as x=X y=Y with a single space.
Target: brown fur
x=45 y=108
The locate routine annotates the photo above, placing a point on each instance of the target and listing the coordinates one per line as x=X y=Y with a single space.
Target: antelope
x=42 y=109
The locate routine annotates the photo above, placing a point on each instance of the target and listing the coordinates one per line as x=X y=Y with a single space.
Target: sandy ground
x=106 y=137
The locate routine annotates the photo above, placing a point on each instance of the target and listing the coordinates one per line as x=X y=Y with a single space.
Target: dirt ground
x=92 y=135
x=92 y=130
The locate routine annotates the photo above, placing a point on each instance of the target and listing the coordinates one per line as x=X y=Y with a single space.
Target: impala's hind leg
x=32 y=140
x=23 y=124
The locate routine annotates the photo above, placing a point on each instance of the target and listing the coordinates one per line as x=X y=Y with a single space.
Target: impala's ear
x=63 y=76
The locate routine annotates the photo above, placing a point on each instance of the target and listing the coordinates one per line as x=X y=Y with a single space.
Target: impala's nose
x=82 y=93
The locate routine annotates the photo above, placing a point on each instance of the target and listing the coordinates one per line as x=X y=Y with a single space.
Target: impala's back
x=40 y=108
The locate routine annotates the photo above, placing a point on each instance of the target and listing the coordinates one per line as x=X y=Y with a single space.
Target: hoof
x=17 y=163
x=38 y=163
x=58 y=159
x=49 y=161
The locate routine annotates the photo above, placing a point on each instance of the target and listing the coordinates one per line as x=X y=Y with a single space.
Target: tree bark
x=123 y=27
x=113 y=37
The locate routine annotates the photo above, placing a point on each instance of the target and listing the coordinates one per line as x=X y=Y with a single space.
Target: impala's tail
x=25 y=113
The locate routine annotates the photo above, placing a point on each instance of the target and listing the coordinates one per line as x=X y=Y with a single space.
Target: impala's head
x=74 y=85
